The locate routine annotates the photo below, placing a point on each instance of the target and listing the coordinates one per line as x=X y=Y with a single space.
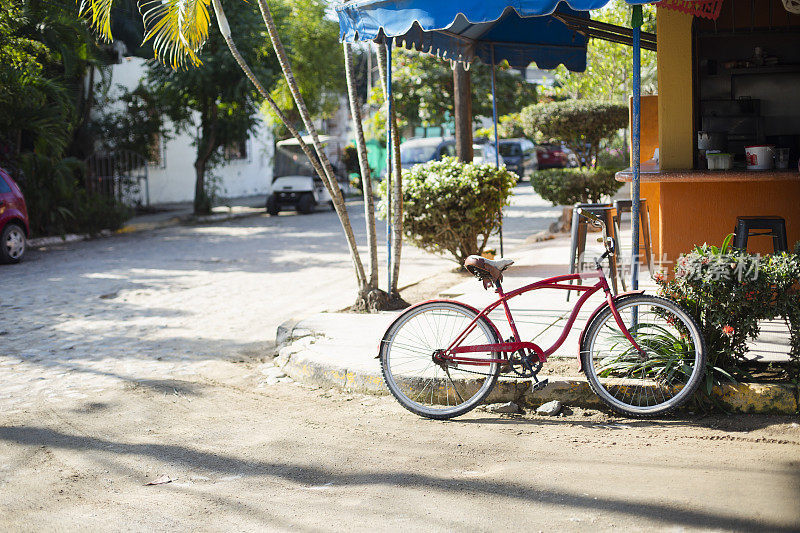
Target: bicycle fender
x=456 y=302
x=592 y=317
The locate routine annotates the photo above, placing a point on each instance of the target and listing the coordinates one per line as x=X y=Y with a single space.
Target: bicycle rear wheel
x=422 y=385
x=649 y=384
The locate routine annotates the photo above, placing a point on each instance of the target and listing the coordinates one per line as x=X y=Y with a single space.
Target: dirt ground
x=289 y=457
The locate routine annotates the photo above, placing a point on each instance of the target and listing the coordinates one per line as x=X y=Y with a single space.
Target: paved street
x=125 y=358
x=165 y=304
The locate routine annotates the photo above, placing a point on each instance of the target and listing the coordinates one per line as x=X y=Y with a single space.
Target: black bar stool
x=578 y=245
x=626 y=206
x=774 y=227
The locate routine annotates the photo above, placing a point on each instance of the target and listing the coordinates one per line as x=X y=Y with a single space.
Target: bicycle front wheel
x=656 y=381
x=421 y=384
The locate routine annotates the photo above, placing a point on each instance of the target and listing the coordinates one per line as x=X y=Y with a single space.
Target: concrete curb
x=48 y=242
x=300 y=358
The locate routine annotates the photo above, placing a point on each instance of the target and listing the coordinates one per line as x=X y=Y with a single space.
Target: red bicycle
x=642 y=355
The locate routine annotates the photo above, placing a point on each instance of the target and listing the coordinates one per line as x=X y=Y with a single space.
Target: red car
x=553 y=155
x=14 y=226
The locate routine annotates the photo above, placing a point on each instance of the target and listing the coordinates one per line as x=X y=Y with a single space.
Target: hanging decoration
x=699 y=8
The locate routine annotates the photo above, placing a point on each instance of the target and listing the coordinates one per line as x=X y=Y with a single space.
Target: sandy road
x=288 y=457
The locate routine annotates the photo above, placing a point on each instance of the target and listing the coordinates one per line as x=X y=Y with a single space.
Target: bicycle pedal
x=539 y=385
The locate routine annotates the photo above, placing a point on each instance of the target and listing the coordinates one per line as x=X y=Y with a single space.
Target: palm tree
x=396 y=216
x=178 y=29
x=366 y=177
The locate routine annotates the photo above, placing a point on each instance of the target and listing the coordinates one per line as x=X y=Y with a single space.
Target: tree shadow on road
x=305 y=474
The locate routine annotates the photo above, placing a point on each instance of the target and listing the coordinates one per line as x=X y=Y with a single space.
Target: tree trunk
x=363 y=164
x=205 y=147
x=338 y=201
x=463 y=110
x=328 y=176
x=396 y=216
x=201 y=202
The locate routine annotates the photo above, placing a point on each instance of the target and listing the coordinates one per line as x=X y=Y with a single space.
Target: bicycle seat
x=487 y=269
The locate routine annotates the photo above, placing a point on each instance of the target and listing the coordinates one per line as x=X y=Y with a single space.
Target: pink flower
x=728 y=330
x=659 y=276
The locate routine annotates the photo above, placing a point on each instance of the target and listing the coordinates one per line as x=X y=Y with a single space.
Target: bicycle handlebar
x=596 y=220
x=608 y=242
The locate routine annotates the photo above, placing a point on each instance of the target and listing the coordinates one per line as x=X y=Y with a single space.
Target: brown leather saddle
x=487 y=270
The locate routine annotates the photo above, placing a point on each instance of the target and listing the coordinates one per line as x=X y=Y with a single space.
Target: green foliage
x=312 y=43
x=36 y=108
x=46 y=57
x=580 y=124
x=728 y=292
x=609 y=66
x=57 y=204
x=567 y=186
x=136 y=127
x=215 y=104
x=453 y=207
x=508 y=127
x=423 y=89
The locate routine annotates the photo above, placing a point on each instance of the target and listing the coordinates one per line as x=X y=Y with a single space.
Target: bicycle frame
x=452 y=353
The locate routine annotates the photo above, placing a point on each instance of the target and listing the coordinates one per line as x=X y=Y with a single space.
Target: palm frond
x=178 y=29
x=101 y=16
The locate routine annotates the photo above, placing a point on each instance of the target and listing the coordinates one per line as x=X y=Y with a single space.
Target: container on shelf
x=760 y=156
x=719 y=161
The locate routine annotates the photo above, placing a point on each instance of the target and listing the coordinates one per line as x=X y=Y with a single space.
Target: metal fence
x=120 y=175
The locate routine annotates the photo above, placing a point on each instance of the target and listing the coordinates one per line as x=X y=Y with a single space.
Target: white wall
x=173 y=180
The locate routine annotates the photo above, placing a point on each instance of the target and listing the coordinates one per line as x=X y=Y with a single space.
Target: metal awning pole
x=389 y=122
x=496 y=144
x=636 y=24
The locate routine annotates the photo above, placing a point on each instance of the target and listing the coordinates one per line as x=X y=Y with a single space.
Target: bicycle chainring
x=525 y=363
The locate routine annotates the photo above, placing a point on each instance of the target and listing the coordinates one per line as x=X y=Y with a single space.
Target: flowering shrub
x=728 y=292
x=450 y=206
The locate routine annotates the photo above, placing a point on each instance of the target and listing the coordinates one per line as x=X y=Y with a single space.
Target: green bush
x=57 y=202
x=580 y=124
x=728 y=292
x=567 y=186
x=453 y=207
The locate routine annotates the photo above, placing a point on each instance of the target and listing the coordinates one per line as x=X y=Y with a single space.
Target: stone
x=508 y=408
x=549 y=409
x=271 y=372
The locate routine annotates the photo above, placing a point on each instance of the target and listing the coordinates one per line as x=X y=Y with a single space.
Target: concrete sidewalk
x=168 y=215
x=340 y=349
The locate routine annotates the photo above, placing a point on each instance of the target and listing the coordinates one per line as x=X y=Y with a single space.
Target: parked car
x=520 y=156
x=14 y=225
x=422 y=150
x=556 y=155
x=484 y=153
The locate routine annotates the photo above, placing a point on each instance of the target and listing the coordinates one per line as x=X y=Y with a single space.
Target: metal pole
x=496 y=144
x=389 y=164
x=636 y=24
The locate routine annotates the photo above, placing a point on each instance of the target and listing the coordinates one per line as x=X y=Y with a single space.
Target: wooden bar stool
x=580 y=228
x=646 y=247
x=774 y=227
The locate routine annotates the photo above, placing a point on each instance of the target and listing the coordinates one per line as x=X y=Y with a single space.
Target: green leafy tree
x=609 y=68
x=178 y=30
x=135 y=127
x=312 y=46
x=580 y=124
x=422 y=86
x=215 y=105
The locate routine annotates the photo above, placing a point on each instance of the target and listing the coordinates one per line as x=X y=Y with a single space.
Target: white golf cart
x=296 y=185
